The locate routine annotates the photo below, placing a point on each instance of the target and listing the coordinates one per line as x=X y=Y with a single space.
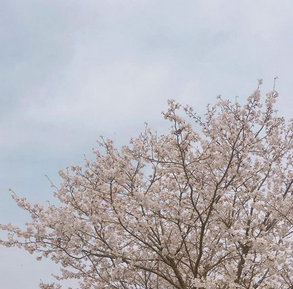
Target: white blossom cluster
x=208 y=205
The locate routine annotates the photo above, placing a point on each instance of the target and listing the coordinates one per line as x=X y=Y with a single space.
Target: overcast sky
x=74 y=70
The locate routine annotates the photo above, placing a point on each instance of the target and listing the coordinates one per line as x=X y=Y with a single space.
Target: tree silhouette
x=208 y=205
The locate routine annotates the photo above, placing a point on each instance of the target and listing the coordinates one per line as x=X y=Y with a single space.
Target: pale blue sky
x=74 y=70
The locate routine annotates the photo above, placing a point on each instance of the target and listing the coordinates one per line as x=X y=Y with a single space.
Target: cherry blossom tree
x=208 y=205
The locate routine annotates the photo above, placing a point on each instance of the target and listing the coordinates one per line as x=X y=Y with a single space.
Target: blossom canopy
x=207 y=205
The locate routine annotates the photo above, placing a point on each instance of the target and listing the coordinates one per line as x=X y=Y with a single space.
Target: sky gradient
x=74 y=70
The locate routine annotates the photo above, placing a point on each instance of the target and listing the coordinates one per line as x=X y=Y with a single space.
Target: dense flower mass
x=208 y=205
